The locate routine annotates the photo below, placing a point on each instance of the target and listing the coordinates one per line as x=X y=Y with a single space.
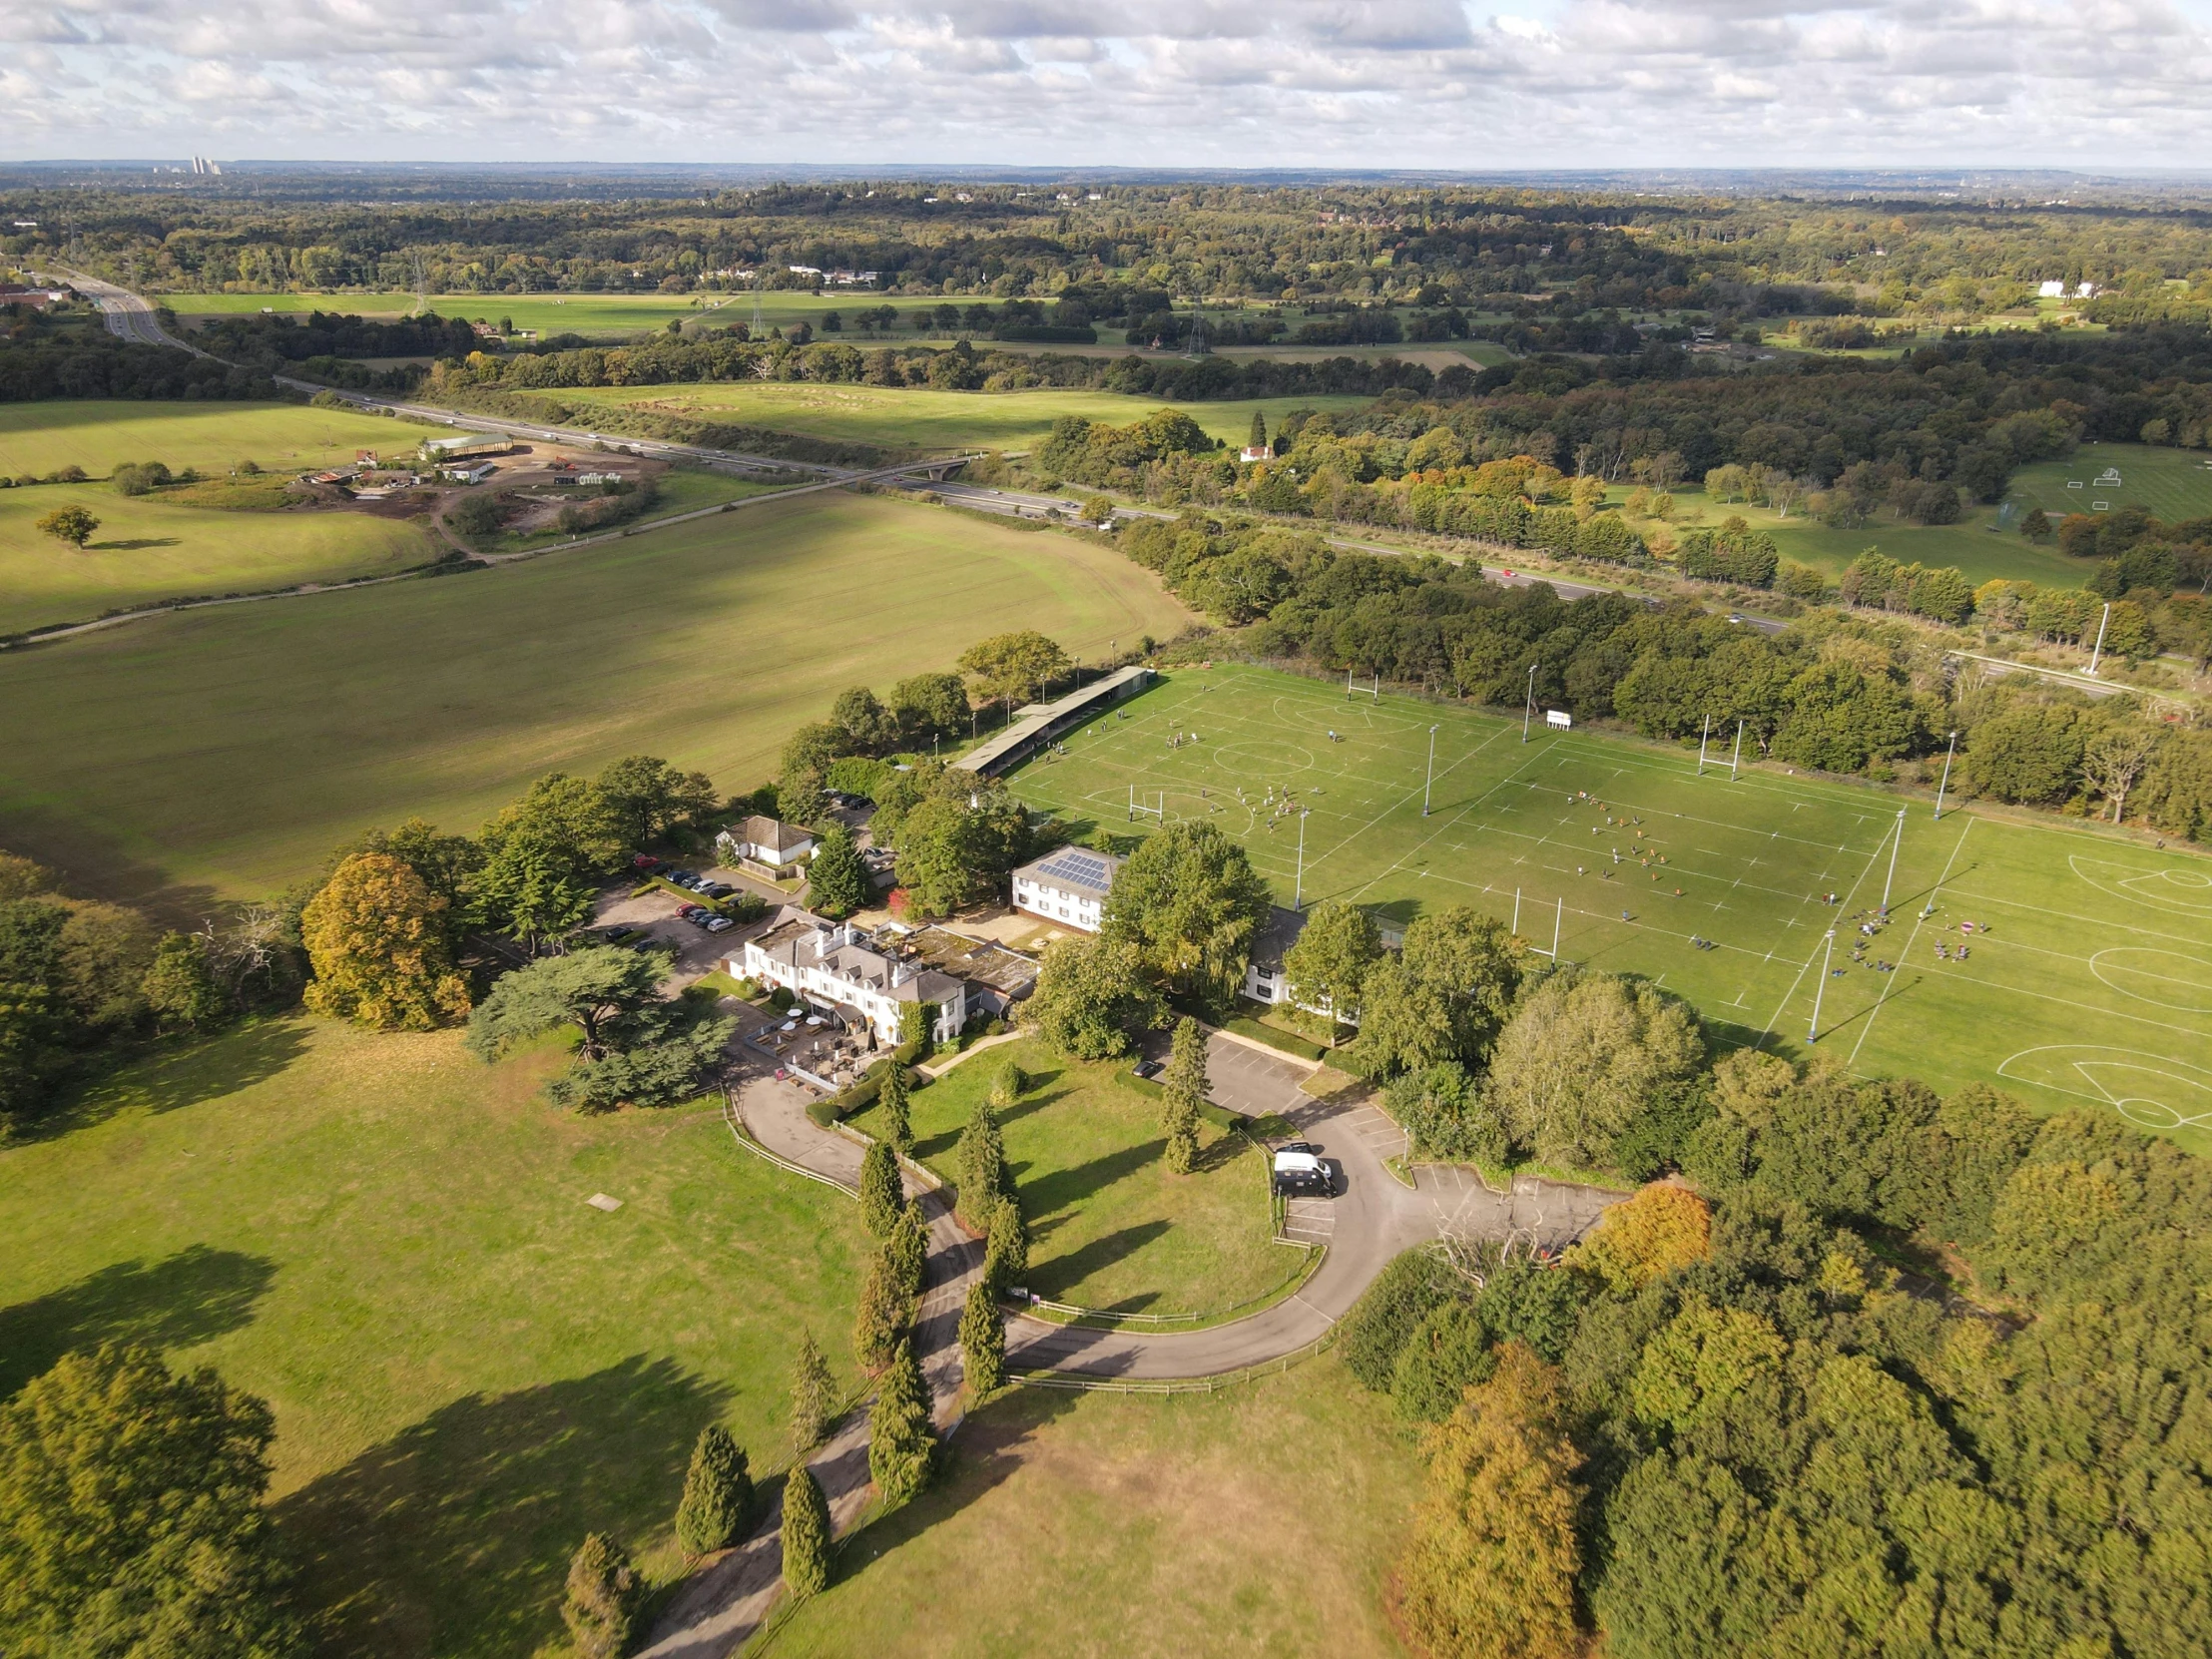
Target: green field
x=148 y=549
x=470 y=1367
x=1261 y=1520
x=920 y=419
x=2174 y=484
x=2092 y=981
x=1112 y=1229
x=560 y=313
x=222 y=753
x=96 y=433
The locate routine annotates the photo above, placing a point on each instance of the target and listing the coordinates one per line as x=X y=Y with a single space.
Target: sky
x=2106 y=85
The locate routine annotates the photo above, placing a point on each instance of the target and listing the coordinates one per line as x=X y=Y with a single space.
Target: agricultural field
x=96 y=433
x=2174 y=484
x=470 y=1367
x=1622 y=857
x=914 y=418
x=150 y=547
x=1263 y=1519
x=223 y=753
x=1113 y=1229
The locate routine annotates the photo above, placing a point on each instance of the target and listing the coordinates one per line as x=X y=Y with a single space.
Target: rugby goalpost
x=1374 y=691
x=1559 y=919
x=1139 y=808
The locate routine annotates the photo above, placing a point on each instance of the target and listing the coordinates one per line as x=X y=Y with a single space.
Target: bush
x=1376 y=1331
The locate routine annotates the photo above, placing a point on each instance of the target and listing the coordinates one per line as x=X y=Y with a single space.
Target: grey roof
x=1276 y=936
x=1075 y=869
x=805 y=941
x=772 y=833
x=1013 y=743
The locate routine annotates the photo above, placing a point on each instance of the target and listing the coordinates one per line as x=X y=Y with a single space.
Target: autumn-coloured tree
x=1662 y=1228
x=376 y=935
x=1489 y=1572
x=71 y=524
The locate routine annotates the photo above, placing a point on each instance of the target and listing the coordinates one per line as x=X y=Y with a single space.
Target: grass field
x=1261 y=1520
x=225 y=752
x=681 y=489
x=470 y=1367
x=2090 y=979
x=147 y=549
x=920 y=419
x=550 y=313
x=96 y=433
x=1110 y=1228
x=2174 y=484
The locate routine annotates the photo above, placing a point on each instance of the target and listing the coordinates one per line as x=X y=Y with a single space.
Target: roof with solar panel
x=1073 y=870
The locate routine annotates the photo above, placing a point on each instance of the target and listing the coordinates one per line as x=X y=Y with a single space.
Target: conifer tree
x=1185 y=1085
x=982 y=1166
x=886 y=1311
x=909 y=1249
x=894 y=1099
x=983 y=1340
x=718 y=1495
x=899 y=1441
x=882 y=1193
x=1006 y=1087
x=604 y=1594
x=805 y=1534
x=1006 y=1251
x=813 y=1396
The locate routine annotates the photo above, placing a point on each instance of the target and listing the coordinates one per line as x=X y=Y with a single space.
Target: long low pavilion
x=1040 y=723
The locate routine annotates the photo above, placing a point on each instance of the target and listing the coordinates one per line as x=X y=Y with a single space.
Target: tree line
x=72 y=355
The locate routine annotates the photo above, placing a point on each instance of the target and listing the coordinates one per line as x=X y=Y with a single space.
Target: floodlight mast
x=1946 y=783
x=1428 y=781
x=1892 y=875
x=1813 y=1030
x=1528 y=703
x=2098 y=655
x=1298 y=883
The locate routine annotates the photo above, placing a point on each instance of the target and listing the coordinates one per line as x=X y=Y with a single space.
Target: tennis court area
x=2075 y=965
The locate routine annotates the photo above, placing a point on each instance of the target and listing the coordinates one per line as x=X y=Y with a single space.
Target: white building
x=1068 y=886
x=767 y=840
x=1264 y=980
x=829 y=963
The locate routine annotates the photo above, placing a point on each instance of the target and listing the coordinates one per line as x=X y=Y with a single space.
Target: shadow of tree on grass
x=187 y=1299
x=172 y=1079
x=1052 y=1277
x=453 y=1537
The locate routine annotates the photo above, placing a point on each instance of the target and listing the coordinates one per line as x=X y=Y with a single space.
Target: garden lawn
x=149 y=549
x=225 y=752
x=917 y=419
x=96 y=433
x=2089 y=973
x=470 y=1367
x=1110 y=1228
x=1260 y=1520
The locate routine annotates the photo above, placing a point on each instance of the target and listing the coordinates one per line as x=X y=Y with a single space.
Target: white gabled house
x=830 y=965
x=1067 y=886
x=767 y=840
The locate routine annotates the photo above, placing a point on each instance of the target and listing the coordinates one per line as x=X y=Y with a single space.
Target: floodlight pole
x=1892 y=875
x=1736 y=758
x=1298 y=883
x=1703 y=731
x=1517 y=913
x=1528 y=703
x=1828 y=956
x=2098 y=655
x=1557 y=918
x=1946 y=783
x=1427 y=781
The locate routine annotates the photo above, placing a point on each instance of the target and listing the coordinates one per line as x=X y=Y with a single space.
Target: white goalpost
x=1144 y=808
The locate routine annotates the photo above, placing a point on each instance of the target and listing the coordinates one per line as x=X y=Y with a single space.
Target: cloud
x=1430 y=83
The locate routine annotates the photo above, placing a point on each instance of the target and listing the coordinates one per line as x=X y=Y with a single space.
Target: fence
x=744 y=1137
x=1076 y=1383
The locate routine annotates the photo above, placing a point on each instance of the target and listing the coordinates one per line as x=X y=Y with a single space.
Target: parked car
x=1147 y=1069
x=700 y=918
x=1301 y=1171
x=719 y=924
x=716 y=890
x=686 y=912
x=645 y=861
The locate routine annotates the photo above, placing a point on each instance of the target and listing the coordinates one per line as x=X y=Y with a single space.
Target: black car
x=1147 y=1069
x=1304 y=1182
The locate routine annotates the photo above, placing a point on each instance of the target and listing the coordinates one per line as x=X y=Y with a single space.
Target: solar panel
x=1079 y=867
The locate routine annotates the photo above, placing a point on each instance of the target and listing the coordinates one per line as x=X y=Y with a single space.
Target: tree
x=1006 y=1247
x=718 y=1495
x=805 y=1534
x=1257 y=438
x=928 y=705
x=605 y=1595
x=1190 y=903
x=2036 y=525
x=1583 y=1058
x=179 y=985
x=900 y=1445
x=1185 y=1090
x=1011 y=667
x=2030 y=755
x=543 y=856
x=1664 y=1227
x=885 y=1315
x=813 y=1396
x=71 y=524
x=1444 y=996
x=647 y=798
x=957 y=842
x=891 y=1101
x=1491 y=1570
x=908 y=1250
x=863 y=725
x=838 y=883
x=375 y=937
x=1445 y=1111
x=1329 y=961
x=1007 y=1085
x=1091 y=995
x=882 y=1194
x=983 y=1340
x=131 y=1517
x=2114 y=757
x=982 y=1168
x=637 y=1047
x=800 y=776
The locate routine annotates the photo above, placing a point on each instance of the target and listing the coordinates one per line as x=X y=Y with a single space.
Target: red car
x=645 y=861
x=686 y=912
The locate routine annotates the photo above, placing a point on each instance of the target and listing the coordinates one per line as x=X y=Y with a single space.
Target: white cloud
x=1327 y=83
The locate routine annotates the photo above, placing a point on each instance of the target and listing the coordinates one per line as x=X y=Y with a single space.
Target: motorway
x=130 y=317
